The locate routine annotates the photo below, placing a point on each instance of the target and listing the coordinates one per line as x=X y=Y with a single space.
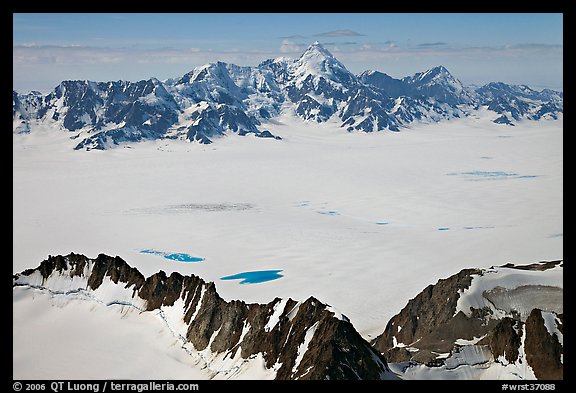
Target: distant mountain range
x=220 y=98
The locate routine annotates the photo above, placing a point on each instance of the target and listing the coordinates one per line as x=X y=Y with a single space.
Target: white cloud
x=41 y=67
x=289 y=46
x=294 y=37
x=340 y=33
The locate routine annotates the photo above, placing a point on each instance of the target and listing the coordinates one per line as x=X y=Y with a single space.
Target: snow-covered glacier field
x=361 y=221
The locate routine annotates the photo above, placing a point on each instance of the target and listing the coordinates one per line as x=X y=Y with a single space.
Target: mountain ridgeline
x=296 y=340
x=508 y=317
x=219 y=98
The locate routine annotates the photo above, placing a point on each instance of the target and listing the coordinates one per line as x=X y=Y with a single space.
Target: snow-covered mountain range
x=220 y=98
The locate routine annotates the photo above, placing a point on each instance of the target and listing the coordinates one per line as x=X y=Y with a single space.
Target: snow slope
x=361 y=221
x=39 y=352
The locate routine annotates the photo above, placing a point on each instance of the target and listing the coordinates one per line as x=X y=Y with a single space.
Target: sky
x=477 y=48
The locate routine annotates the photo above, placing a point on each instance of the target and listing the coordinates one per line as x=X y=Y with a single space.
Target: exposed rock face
x=429 y=319
x=299 y=340
x=219 y=98
x=505 y=339
x=543 y=348
x=479 y=317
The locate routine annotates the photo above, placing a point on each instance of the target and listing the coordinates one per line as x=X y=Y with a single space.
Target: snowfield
x=361 y=221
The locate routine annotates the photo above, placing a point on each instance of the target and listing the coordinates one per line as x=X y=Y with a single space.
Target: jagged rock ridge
x=298 y=340
x=509 y=315
x=218 y=98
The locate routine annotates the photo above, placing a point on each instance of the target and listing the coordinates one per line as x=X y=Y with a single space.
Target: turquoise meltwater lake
x=179 y=257
x=255 y=277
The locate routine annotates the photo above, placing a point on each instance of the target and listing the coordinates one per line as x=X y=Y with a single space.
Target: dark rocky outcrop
x=429 y=318
x=543 y=350
x=304 y=340
x=540 y=266
x=505 y=339
x=508 y=322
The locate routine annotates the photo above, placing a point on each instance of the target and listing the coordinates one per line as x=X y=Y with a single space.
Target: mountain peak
x=435 y=73
x=319 y=62
x=440 y=69
x=436 y=76
x=316 y=49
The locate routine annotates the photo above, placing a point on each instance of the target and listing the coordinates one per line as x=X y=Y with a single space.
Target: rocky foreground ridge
x=504 y=322
x=298 y=340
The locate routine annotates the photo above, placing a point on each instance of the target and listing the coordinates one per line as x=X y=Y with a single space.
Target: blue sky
x=524 y=48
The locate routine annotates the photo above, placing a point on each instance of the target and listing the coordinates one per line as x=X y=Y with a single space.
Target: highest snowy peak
x=319 y=62
x=316 y=48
